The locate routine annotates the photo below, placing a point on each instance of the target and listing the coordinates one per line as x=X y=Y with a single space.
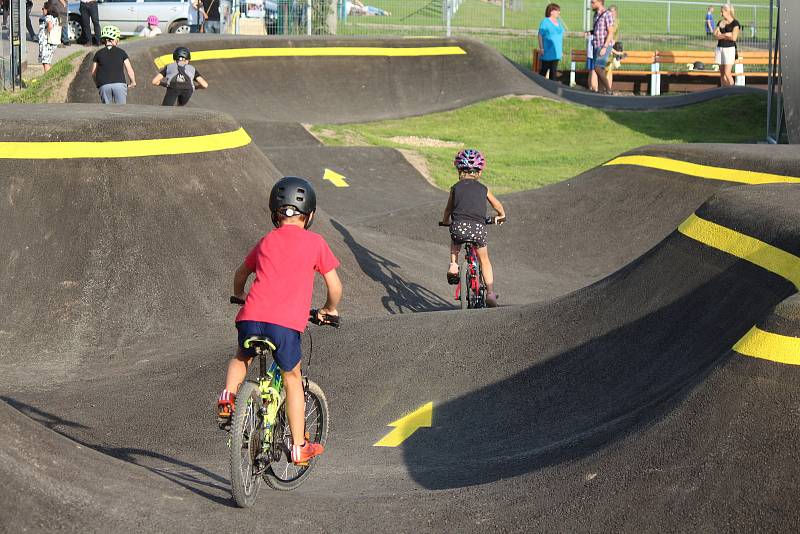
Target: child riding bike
x=277 y=305
x=466 y=206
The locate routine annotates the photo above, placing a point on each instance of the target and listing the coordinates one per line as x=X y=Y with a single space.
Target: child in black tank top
x=466 y=214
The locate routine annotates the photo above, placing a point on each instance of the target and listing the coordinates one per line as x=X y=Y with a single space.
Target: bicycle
x=260 y=439
x=471 y=288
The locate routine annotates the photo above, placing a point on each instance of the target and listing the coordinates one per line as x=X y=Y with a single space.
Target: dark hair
x=549 y=9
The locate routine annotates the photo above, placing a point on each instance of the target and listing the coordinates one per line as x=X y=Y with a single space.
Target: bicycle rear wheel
x=247 y=431
x=282 y=474
x=464 y=290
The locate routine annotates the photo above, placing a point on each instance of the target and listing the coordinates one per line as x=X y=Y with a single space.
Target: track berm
x=604 y=395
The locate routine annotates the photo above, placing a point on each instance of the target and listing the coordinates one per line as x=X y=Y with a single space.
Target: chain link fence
x=510 y=25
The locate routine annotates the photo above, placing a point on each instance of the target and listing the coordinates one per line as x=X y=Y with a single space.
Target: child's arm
x=94 y=69
x=498 y=207
x=201 y=82
x=334 y=292
x=240 y=279
x=448 y=209
x=131 y=75
x=157 y=79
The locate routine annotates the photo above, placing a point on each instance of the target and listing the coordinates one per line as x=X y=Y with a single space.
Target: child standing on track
x=466 y=214
x=179 y=78
x=279 y=300
x=109 y=67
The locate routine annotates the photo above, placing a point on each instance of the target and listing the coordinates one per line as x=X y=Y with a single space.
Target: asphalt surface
x=603 y=395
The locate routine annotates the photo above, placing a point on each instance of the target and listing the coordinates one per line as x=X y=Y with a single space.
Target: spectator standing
x=211 y=14
x=89 y=12
x=710 y=21
x=109 y=66
x=616 y=49
x=727 y=32
x=46 y=50
x=551 y=41
x=195 y=16
x=602 y=38
x=32 y=35
x=58 y=9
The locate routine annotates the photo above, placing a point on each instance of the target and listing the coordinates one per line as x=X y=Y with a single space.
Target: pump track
x=641 y=374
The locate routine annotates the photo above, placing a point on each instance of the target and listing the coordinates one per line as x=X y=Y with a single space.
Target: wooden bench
x=655 y=61
x=686 y=57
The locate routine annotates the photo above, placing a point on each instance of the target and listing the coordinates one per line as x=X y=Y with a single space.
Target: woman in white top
x=726 y=32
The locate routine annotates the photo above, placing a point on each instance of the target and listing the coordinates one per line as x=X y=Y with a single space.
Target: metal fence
x=510 y=25
x=7 y=10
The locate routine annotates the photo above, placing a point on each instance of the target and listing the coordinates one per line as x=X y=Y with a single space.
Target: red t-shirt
x=284 y=261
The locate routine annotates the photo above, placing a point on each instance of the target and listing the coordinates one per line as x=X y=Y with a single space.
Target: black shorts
x=181 y=96
x=463 y=231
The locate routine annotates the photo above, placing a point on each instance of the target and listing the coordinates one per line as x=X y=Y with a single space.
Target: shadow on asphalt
x=196 y=479
x=582 y=399
x=401 y=296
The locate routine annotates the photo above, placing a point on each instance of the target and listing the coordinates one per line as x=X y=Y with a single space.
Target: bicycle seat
x=259 y=341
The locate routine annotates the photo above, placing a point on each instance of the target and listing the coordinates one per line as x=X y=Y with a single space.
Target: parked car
x=131 y=15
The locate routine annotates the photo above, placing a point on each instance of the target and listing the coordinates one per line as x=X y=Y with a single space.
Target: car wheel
x=74 y=29
x=179 y=26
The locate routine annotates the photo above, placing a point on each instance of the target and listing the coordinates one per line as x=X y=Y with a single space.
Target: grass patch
x=529 y=143
x=40 y=90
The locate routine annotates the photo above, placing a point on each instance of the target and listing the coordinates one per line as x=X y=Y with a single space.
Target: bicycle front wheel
x=247 y=434
x=282 y=473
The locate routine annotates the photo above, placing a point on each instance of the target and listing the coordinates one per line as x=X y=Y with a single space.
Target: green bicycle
x=260 y=439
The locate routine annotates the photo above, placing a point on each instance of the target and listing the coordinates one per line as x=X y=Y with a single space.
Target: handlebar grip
x=443 y=224
x=236 y=300
x=327 y=320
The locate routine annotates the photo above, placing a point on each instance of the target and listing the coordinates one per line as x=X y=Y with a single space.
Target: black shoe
x=452 y=278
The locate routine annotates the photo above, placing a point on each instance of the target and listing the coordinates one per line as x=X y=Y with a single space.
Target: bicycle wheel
x=247 y=432
x=479 y=296
x=463 y=280
x=282 y=474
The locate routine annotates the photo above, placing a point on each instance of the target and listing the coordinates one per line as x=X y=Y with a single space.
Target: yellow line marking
x=335 y=178
x=124 y=149
x=743 y=246
x=704 y=171
x=407 y=425
x=768 y=346
x=341 y=51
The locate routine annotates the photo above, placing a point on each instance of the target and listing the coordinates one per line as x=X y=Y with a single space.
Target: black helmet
x=295 y=192
x=181 y=51
x=699 y=65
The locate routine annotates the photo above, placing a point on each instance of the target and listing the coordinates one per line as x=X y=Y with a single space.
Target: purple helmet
x=469 y=160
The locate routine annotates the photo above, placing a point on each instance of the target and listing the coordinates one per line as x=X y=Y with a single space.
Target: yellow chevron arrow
x=335 y=178
x=405 y=426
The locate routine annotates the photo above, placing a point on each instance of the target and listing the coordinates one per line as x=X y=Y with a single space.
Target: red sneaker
x=301 y=454
x=225 y=405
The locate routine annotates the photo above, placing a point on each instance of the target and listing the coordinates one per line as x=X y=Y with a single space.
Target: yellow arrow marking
x=335 y=178
x=405 y=426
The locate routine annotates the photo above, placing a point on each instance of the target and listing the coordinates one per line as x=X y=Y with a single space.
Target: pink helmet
x=469 y=160
x=152 y=20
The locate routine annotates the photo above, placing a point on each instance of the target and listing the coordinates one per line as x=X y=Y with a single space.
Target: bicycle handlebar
x=313 y=316
x=487 y=221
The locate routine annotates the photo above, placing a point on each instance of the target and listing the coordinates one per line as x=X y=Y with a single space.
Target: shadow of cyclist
x=401 y=295
x=198 y=480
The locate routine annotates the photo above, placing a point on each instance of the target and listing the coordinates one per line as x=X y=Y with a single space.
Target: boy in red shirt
x=279 y=300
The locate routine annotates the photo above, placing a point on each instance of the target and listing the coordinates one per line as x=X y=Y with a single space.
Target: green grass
x=40 y=90
x=531 y=143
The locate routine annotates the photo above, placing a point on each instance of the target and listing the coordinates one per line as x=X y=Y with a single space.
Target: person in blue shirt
x=551 y=40
x=710 y=21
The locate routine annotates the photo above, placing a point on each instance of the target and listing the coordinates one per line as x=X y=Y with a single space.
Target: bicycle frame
x=270 y=384
x=474 y=277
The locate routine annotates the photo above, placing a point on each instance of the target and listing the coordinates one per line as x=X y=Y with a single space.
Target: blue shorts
x=287 y=342
x=601 y=61
x=589 y=63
